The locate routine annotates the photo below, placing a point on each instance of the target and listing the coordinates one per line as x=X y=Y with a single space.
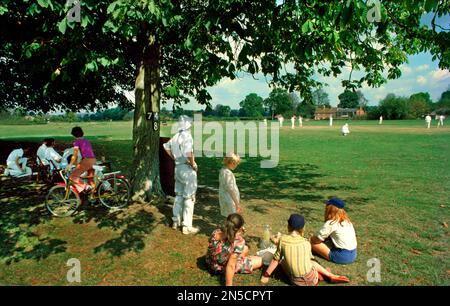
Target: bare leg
x=256 y=262
x=245 y=252
x=332 y=277
x=321 y=270
x=321 y=249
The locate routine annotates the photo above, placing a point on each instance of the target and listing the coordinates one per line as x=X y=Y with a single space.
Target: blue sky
x=419 y=74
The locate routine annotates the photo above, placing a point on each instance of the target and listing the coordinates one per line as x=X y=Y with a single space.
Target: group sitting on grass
x=336 y=242
x=80 y=158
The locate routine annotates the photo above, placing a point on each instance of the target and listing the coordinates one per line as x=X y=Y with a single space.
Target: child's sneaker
x=190 y=230
x=175 y=226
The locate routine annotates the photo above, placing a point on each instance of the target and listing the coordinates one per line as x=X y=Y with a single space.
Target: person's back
x=180 y=144
x=17 y=164
x=341 y=233
x=227 y=187
x=220 y=250
x=85 y=147
x=53 y=157
x=11 y=160
x=296 y=251
x=42 y=154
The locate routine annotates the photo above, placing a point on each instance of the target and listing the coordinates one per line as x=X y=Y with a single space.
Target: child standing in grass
x=336 y=241
x=229 y=197
x=294 y=254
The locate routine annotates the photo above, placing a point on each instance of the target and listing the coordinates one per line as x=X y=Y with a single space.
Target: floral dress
x=219 y=252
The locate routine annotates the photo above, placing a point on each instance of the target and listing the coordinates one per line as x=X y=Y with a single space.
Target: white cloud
x=422 y=67
x=421 y=80
x=440 y=75
x=405 y=69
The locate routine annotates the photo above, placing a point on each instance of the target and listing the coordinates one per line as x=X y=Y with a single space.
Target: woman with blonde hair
x=229 y=196
x=336 y=241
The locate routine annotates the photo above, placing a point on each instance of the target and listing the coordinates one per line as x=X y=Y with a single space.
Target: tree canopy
x=252 y=106
x=279 y=103
x=175 y=49
x=320 y=98
x=48 y=62
x=348 y=99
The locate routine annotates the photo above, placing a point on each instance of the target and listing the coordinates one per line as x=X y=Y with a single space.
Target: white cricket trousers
x=185 y=189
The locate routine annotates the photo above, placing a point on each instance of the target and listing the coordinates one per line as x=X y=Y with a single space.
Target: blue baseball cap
x=336 y=202
x=296 y=221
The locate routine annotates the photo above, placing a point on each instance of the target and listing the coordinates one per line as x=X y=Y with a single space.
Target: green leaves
x=91 y=66
x=307 y=27
x=3 y=10
x=188 y=43
x=171 y=91
x=62 y=26
x=430 y=5
x=31 y=48
x=45 y=3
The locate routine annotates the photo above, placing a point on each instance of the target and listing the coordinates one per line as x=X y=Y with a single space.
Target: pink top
x=85 y=148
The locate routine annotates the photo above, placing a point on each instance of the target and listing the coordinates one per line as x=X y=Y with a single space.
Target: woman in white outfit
x=180 y=149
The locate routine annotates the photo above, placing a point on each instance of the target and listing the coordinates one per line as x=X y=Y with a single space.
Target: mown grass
x=394 y=178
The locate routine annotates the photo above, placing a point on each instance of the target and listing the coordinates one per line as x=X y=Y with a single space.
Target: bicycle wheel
x=114 y=192
x=58 y=204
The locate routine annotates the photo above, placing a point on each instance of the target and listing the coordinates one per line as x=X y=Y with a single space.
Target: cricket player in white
x=180 y=148
x=428 y=121
x=381 y=120
x=345 y=130
x=17 y=164
x=331 y=120
x=280 y=119
x=441 y=120
x=293 y=122
x=300 y=121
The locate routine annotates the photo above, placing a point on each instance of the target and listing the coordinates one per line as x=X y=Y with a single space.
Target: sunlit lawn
x=394 y=178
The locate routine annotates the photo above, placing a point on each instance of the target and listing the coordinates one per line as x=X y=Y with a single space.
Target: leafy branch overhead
x=48 y=61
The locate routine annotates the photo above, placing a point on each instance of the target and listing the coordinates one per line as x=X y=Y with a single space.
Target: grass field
x=395 y=179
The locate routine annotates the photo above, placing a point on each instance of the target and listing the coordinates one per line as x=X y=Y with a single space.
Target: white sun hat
x=184 y=123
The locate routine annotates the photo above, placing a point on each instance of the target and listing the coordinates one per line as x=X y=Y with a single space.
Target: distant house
x=324 y=113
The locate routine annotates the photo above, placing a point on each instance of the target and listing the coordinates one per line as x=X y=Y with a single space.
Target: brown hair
x=335 y=214
x=232 y=225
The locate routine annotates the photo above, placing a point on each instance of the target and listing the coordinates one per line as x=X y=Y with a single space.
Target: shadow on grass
x=132 y=224
x=299 y=182
x=21 y=213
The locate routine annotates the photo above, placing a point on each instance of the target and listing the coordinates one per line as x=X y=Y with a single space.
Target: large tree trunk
x=145 y=182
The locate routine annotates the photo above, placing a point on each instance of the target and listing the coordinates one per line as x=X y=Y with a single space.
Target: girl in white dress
x=229 y=197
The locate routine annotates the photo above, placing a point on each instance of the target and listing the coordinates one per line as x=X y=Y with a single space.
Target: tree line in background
x=279 y=102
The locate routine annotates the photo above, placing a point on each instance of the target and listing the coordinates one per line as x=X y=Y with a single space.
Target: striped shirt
x=296 y=250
